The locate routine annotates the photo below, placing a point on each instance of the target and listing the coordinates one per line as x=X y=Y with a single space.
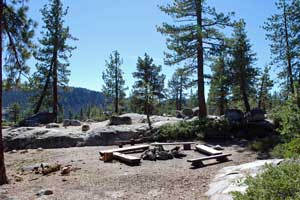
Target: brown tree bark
x=3 y=177
x=200 y=61
x=117 y=89
x=288 y=53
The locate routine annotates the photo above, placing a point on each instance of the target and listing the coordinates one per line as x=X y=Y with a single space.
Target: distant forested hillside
x=72 y=100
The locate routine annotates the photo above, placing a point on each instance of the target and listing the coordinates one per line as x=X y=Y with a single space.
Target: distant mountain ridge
x=72 y=100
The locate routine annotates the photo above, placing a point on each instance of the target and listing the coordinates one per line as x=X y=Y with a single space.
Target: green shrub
x=203 y=129
x=275 y=183
x=287 y=150
x=264 y=144
x=288 y=118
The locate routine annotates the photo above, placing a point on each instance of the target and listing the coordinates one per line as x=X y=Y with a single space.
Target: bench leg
x=198 y=164
x=187 y=147
x=222 y=159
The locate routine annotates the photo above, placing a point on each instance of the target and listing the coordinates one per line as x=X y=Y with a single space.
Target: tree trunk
x=180 y=93
x=260 y=97
x=43 y=94
x=55 y=87
x=244 y=92
x=117 y=89
x=200 y=61
x=3 y=177
x=288 y=53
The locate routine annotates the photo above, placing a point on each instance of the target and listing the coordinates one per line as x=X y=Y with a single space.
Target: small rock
x=85 y=127
x=218 y=147
x=14 y=151
x=44 y=192
x=18 y=178
x=52 y=125
x=66 y=122
x=66 y=170
x=40 y=149
x=24 y=151
x=75 y=123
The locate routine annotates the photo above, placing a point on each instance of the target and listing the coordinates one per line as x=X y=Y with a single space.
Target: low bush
x=202 y=129
x=265 y=144
x=287 y=150
x=276 y=182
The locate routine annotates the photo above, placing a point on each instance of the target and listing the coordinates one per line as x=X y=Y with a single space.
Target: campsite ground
x=94 y=179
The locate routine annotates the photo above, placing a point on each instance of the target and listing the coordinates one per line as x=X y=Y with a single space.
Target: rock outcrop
x=230 y=179
x=69 y=135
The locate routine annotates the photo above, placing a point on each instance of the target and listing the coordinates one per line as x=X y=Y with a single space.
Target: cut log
x=171 y=143
x=130 y=149
x=127 y=159
x=199 y=161
x=186 y=145
x=207 y=150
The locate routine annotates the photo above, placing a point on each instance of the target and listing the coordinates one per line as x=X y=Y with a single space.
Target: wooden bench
x=127 y=159
x=186 y=145
x=207 y=150
x=198 y=162
x=131 y=149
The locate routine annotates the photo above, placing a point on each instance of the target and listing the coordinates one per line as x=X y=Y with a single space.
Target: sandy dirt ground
x=94 y=180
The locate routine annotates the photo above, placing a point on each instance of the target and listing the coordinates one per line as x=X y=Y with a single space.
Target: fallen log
x=130 y=149
x=207 y=150
x=127 y=159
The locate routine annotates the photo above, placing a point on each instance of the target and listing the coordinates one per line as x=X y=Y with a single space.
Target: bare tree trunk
x=55 y=87
x=244 y=92
x=200 y=61
x=180 y=93
x=288 y=53
x=117 y=89
x=43 y=94
x=259 y=104
x=3 y=177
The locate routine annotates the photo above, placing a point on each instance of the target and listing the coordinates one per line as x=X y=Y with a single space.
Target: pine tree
x=195 y=36
x=179 y=82
x=265 y=86
x=149 y=86
x=283 y=30
x=219 y=85
x=114 y=84
x=243 y=73
x=16 y=32
x=53 y=56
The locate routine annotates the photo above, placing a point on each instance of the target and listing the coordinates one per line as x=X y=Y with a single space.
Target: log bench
x=198 y=162
x=207 y=150
x=127 y=159
x=130 y=149
x=186 y=145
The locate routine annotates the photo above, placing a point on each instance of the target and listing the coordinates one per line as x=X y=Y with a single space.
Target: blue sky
x=129 y=27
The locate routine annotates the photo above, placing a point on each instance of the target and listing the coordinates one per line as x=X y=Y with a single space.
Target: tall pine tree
x=178 y=84
x=149 y=86
x=283 y=31
x=265 y=86
x=114 y=84
x=219 y=85
x=16 y=32
x=53 y=56
x=243 y=73
x=195 y=35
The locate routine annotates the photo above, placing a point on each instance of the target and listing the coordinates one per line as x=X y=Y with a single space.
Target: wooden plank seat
x=198 y=162
x=186 y=145
x=131 y=149
x=207 y=150
x=127 y=159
